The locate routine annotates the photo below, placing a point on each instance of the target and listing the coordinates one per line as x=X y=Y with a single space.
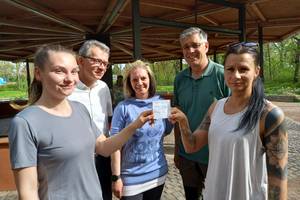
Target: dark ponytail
x=257 y=100
x=255 y=106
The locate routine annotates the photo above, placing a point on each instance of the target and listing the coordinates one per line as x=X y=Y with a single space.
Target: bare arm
x=106 y=146
x=276 y=144
x=116 y=170
x=199 y=138
x=27 y=183
x=193 y=142
x=177 y=142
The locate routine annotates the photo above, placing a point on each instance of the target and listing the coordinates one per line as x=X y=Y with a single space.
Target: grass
x=11 y=92
x=282 y=88
x=164 y=88
x=272 y=88
x=10 y=95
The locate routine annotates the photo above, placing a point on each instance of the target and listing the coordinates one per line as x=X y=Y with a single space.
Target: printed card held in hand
x=161 y=109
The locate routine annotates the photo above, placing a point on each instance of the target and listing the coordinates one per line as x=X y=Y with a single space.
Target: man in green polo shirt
x=195 y=88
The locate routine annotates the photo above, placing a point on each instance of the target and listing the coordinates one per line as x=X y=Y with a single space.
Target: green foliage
x=117 y=70
x=15 y=75
x=11 y=91
x=279 y=60
x=280 y=67
x=165 y=71
x=7 y=70
x=13 y=94
x=282 y=88
x=164 y=89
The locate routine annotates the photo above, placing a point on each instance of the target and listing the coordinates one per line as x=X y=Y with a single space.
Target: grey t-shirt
x=62 y=149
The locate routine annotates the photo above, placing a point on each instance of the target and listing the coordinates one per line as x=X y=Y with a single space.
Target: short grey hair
x=194 y=30
x=87 y=45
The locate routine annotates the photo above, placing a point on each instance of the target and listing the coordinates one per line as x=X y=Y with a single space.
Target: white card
x=161 y=109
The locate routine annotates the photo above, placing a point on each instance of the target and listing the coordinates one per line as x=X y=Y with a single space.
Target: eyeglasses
x=96 y=61
x=193 y=46
x=252 y=45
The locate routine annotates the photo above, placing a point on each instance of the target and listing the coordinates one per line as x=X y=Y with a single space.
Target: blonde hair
x=128 y=90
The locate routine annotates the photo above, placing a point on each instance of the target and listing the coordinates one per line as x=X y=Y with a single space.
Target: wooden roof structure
x=140 y=28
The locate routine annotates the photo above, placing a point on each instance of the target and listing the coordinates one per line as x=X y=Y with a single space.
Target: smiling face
x=140 y=82
x=91 y=69
x=58 y=76
x=240 y=72
x=194 y=50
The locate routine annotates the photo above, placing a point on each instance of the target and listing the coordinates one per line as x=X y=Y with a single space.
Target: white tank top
x=237 y=161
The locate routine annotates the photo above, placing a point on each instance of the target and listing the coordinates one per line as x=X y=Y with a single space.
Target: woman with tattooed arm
x=248 y=143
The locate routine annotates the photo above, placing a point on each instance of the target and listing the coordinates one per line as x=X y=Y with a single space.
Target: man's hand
x=177 y=116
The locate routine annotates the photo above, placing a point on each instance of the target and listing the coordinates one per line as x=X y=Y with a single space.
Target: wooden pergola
x=146 y=29
x=134 y=29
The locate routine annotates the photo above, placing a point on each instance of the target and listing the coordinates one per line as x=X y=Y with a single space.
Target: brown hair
x=40 y=59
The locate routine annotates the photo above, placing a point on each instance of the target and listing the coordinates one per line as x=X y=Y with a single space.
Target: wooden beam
x=149 y=41
x=160 y=44
x=258 y=13
x=24 y=32
x=184 y=15
x=118 y=9
x=210 y=20
x=17 y=38
x=272 y=23
x=123 y=48
x=148 y=48
x=34 y=44
x=48 y=14
x=78 y=12
x=175 y=24
x=70 y=45
x=160 y=4
x=8 y=55
x=36 y=27
x=251 y=32
x=291 y=33
x=105 y=15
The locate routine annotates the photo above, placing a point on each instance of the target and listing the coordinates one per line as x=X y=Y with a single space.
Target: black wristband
x=114 y=178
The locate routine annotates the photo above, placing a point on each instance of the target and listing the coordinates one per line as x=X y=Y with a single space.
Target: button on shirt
x=97 y=100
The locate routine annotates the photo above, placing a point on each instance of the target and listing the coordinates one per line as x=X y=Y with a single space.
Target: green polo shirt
x=194 y=96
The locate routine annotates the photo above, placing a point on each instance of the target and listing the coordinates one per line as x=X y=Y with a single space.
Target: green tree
x=117 y=69
x=7 y=70
x=297 y=61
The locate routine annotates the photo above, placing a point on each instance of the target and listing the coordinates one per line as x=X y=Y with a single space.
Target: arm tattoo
x=205 y=123
x=187 y=134
x=276 y=144
x=274 y=192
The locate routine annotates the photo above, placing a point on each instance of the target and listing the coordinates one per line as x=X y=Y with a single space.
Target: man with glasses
x=95 y=95
x=195 y=88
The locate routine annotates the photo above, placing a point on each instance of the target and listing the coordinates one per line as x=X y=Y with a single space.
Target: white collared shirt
x=97 y=100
